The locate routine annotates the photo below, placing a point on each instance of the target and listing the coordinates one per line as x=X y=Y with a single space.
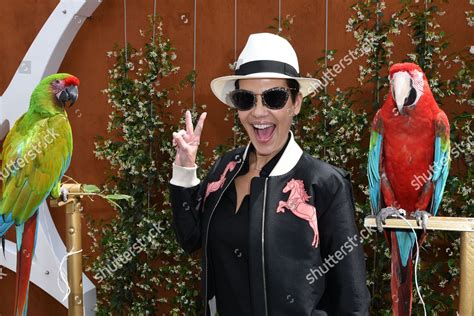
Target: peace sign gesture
x=187 y=141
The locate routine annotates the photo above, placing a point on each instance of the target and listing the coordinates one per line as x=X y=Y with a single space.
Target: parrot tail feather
x=23 y=266
x=401 y=282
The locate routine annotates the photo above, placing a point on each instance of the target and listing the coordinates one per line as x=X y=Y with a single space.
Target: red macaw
x=408 y=167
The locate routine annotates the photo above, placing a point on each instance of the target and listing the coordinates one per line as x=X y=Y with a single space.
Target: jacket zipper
x=207 y=230
x=263 y=246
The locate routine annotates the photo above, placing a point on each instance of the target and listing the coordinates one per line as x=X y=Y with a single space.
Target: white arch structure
x=43 y=58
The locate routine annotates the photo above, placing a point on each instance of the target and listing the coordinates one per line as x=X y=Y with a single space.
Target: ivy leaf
x=90 y=188
x=452 y=263
x=115 y=197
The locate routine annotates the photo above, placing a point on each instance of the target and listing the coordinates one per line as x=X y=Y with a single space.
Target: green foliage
x=139 y=267
x=283 y=27
x=369 y=25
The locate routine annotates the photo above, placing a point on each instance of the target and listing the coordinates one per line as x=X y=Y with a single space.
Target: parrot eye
x=56 y=81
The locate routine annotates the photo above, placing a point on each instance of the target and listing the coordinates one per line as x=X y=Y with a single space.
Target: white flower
x=412 y=56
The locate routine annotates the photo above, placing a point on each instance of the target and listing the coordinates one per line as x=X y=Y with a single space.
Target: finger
x=178 y=138
x=184 y=135
x=180 y=132
x=200 y=125
x=189 y=123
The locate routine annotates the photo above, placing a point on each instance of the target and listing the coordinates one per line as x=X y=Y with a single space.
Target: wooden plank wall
x=21 y=20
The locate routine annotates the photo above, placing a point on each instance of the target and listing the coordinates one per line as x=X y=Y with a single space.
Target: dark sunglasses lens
x=242 y=100
x=275 y=99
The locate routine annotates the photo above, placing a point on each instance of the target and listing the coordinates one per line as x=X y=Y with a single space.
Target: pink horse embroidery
x=296 y=204
x=216 y=185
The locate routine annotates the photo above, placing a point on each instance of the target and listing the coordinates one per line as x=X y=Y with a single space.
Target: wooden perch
x=73 y=244
x=465 y=225
x=454 y=224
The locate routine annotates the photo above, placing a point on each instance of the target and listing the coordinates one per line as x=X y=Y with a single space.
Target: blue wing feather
x=373 y=171
x=440 y=172
x=6 y=222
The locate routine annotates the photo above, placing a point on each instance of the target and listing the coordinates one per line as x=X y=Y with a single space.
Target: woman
x=275 y=226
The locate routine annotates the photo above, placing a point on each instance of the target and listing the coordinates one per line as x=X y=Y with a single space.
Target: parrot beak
x=70 y=94
x=73 y=94
x=401 y=86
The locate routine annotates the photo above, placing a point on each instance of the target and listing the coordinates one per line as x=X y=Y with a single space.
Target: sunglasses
x=274 y=98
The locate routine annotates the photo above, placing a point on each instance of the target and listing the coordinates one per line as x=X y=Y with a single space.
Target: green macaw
x=36 y=154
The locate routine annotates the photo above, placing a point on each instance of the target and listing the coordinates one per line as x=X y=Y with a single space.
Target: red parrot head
x=408 y=83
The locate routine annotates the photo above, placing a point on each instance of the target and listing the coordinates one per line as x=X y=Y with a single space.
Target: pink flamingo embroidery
x=297 y=204
x=216 y=185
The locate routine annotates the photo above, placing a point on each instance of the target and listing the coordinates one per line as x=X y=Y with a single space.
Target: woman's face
x=268 y=129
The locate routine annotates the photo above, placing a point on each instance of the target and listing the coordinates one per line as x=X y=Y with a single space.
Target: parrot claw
x=384 y=213
x=421 y=218
x=63 y=196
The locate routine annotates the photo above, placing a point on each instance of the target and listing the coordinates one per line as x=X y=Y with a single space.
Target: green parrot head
x=54 y=92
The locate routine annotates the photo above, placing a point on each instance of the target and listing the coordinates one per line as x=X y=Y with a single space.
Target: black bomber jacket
x=305 y=253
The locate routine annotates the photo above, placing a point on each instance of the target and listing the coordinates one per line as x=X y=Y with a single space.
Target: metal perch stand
x=73 y=244
x=465 y=225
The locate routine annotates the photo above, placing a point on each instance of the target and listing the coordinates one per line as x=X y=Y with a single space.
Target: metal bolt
x=290 y=299
x=238 y=253
x=184 y=18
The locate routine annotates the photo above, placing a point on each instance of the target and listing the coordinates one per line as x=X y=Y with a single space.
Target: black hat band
x=266 y=66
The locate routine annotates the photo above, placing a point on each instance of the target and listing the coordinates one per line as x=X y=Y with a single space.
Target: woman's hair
x=292 y=84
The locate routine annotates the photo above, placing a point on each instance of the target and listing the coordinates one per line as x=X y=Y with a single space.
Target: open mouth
x=264 y=132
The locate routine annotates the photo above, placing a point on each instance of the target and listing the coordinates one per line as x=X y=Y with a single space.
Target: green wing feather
x=36 y=154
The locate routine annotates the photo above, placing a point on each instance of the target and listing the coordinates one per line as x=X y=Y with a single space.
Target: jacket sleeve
x=186 y=197
x=343 y=254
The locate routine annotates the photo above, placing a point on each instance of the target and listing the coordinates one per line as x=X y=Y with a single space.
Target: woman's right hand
x=187 y=141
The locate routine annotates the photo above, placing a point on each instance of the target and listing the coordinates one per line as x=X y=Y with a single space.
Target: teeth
x=262 y=126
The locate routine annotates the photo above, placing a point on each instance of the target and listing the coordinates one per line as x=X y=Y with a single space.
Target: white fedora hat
x=265 y=55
